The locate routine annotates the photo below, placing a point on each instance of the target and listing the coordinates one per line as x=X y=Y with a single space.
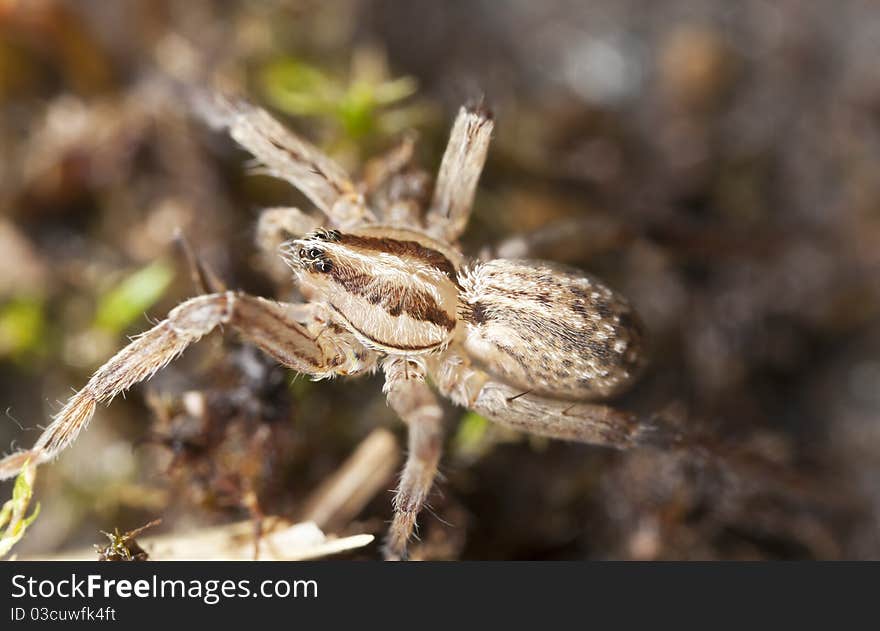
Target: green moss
x=354 y=107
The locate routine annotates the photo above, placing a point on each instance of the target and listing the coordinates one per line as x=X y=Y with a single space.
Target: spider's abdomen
x=550 y=329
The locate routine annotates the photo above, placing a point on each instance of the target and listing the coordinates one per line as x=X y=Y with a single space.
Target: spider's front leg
x=271 y=326
x=459 y=173
x=415 y=403
x=290 y=157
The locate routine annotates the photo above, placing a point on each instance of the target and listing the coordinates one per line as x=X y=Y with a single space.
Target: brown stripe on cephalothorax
x=403 y=248
x=426 y=309
x=419 y=305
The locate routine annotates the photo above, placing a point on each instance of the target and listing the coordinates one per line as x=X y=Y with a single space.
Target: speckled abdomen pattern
x=550 y=329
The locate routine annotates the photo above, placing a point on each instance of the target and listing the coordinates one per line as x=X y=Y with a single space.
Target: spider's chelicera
x=528 y=344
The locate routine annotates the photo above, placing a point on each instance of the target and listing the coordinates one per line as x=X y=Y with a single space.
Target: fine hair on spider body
x=531 y=345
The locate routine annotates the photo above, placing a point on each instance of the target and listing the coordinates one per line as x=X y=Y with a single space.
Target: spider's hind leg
x=525 y=411
x=569 y=240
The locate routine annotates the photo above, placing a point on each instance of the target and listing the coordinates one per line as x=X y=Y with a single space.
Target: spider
x=531 y=345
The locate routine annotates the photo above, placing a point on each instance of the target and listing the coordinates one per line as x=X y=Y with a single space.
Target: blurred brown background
x=718 y=162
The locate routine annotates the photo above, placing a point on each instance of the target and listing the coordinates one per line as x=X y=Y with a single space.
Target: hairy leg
x=415 y=403
x=380 y=169
x=459 y=173
x=202 y=276
x=570 y=240
x=289 y=157
x=581 y=422
x=270 y=325
x=396 y=189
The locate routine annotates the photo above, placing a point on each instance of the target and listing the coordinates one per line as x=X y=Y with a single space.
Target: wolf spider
x=528 y=344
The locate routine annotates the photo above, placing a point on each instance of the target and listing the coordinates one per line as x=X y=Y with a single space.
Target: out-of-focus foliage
x=22 y=327
x=14 y=519
x=469 y=440
x=302 y=90
x=359 y=111
x=127 y=301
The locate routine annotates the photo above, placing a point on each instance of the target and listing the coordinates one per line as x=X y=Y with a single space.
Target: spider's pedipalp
x=275 y=227
x=279 y=224
x=270 y=325
x=459 y=173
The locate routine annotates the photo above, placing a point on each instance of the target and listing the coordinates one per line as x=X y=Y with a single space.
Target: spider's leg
x=203 y=277
x=382 y=168
x=569 y=240
x=289 y=157
x=397 y=191
x=580 y=422
x=459 y=172
x=576 y=421
x=270 y=325
x=417 y=406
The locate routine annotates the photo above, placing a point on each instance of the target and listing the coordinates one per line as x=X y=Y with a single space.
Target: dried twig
x=281 y=541
x=364 y=474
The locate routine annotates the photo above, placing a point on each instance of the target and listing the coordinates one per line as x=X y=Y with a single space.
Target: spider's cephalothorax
x=528 y=344
x=394 y=290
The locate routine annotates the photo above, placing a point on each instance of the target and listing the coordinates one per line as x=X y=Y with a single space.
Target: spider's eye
x=315 y=253
x=302 y=253
x=324 y=265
